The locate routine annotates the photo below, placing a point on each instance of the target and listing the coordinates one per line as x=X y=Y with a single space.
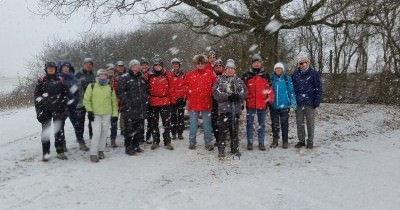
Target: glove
x=114 y=119
x=291 y=110
x=234 y=97
x=91 y=116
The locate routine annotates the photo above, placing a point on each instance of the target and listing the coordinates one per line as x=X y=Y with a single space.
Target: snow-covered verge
x=354 y=165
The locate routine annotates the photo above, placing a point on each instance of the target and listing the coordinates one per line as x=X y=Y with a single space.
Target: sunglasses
x=218 y=65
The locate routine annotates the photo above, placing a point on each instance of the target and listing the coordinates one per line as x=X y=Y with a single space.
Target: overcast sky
x=23 y=33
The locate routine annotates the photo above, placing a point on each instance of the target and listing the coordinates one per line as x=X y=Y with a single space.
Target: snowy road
x=355 y=165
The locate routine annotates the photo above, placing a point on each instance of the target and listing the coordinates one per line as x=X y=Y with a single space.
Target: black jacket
x=133 y=91
x=51 y=97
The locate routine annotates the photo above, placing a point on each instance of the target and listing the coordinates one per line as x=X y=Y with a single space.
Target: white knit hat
x=230 y=63
x=279 y=65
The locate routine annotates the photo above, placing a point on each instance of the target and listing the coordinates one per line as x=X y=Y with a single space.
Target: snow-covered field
x=355 y=165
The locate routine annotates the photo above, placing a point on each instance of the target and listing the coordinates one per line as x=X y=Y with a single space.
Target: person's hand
x=114 y=119
x=91 y=116
x=234 y=97
x=291 y=109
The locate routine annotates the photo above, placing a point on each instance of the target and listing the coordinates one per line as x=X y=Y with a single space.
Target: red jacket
x=209 y=67
x=161 y=90
x=178 y=85
x=259 y=89
x=199 y=89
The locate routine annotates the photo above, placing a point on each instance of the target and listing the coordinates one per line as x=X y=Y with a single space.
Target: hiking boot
x=169 y=146
x=221 y=154
x=249 y=146
x=261 y=146
x=101 y=155
x=94 y=159
x=46 y=157
x=309 y=146
x=274 y=143
x=83 y=147
x=192 y=146
x=173 y=137
x=138 y=150
x=62 y=156
x=113 y=143
x=180 y=137
x=210 y=147
x=130 y=152
x=154 y=146
x=285 y=145
x=300 y=144
x=65 y=147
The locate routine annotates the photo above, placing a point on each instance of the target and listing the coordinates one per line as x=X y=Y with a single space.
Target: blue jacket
x=284 y=92
x=70 y=82
x=307 y=86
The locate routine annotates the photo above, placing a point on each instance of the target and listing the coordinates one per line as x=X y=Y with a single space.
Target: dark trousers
x=114 y=129
x=230 y=127
x=177 y=117
x=165 y=112
x=148 y=129
x=81 y=114
x=58 y=135
x=73 y=117
x=280 y=120
x=215 y=122
x=133 y=133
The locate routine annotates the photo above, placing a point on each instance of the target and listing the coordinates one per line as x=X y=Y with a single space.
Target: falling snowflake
x=174 y=50
x=174 y=37
x=273 y=26
x=253 y=47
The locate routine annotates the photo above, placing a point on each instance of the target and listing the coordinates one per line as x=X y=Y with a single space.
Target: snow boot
x=138 y=150
x=310 y=145
x=250 y=147
x=192 y=146
x=274 y=143
x=130 y=152
x=285 y=145
x=173 y=137
x=210 y=147
x=169 y=146
x=221 y=154
x=300 y=144
x=113 y=143
x=180 y=137
x=46 y=157
x=154 y=146
x=261 y=146
x=62 y=156
x=94 y=159
x=83 y=147
x=101 y=155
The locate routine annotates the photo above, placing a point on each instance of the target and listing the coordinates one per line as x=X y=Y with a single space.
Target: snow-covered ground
x=355 y=165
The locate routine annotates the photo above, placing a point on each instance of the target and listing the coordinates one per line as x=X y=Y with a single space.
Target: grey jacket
x=223 y=88
x=84 y=79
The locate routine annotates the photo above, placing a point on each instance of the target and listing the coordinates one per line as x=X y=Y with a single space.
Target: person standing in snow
x=199 y=83
x=285 y=101
x=133 y=91
x=51 y=98
x=218 y=69
x=112 y=81
x=120 y=71
x=212 y=57
x=161 y=93
x=178 y=100
x=66 y=72
x=308 y=89
x=145 y=69
x=100 y=102
x=260 y=94
x=85 y=76
x=229 y=91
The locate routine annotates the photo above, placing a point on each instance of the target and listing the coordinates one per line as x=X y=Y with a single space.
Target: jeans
x=114 y=129
x=280 y=120
x=307 y=112
x=177 y=117
x=73 y=117
x=193 y=119
x=261 y=125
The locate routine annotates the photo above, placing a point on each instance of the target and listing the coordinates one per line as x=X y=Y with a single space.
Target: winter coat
x=161 y=91
x=133 y=91
x=199 y=86
x=100 y=99
x=51 y=97
x=178 y=84
x=84 y=79
x=259 y=89
x=72 y=86
x=308 y=87
x=283 y=92
x=223 y=88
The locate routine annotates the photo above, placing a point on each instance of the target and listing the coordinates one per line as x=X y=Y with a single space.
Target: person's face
x=230 y=72
x=256 y=64
x=121 y=68
x=51 y=70
x=65 y=69
x=218 y=68
x=212 y=59
x=303 y=65
x=135 y=69
x=158 y=67
x=201 y=66
x=88 y=66
x=278 y=71
x=145 y=67
x=103 y=76
x=110 y=72
x=175 y=66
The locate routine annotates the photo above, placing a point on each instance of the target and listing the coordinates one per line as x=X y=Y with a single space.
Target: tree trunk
x=268 y=45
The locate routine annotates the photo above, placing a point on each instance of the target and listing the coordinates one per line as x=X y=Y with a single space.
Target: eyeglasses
x=301 y=63
x=218 y=65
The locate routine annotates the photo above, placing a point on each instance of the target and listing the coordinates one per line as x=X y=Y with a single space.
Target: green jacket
x=100 y=100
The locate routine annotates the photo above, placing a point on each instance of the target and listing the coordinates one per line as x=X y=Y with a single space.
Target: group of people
x=146 y=91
